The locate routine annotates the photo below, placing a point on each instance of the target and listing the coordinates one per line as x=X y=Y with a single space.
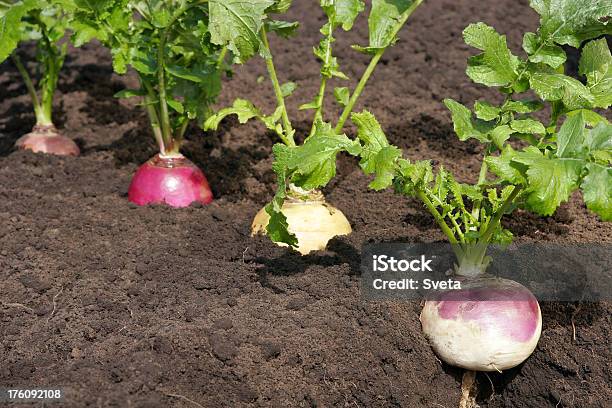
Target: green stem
x=52 y=62
x=154 y=120
x=482 y=179
x=181 y=131
x=222 y=56
x=494 y=223
x=280 y=100
x=164 y=115
x=41 y=119
x=150 y=100
x=321 y=95
x=358 y=90
x=370 y=69
x=437 y=216
x=458 y=229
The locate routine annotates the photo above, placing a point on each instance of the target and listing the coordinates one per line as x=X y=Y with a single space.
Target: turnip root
x=313 y=221
x=46 y=139
x=490 y=324
x=172 y=180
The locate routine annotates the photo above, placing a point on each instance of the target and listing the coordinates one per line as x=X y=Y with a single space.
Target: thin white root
x=184 y=398
x=468 y=390
x=18 y=305
x=55 y=303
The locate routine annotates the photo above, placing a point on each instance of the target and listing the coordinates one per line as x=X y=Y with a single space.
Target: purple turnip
x=173 y=180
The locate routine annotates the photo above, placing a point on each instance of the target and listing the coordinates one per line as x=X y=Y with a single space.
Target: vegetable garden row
x=546 y=137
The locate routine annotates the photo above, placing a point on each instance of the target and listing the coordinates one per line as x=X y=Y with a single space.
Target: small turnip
x=172 y=180
x=46 y=139
x=312 y=220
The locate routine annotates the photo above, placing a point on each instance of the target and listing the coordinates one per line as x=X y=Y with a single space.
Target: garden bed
x=153 y=307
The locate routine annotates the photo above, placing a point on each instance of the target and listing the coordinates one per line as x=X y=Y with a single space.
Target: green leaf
x=315 y=161
x=597 y=190
x=500 y=134
x=596 y=65
x=10 y=20
x=555 y=87
x=551 y=55
x=377 y=156
x=347 y=11
x=571 y=136
x=503 y=168
x=236 y=24
x=550 y=181
x=288 y=88
x=279 y=7
x=600 y=137
x=278 y=228
x=598 y=143
x=496 y=66
x=591 y=118
x=369 y=132
x=413 y=176
x=144 y=61
x=572 y=21
x=384 y=167
x=309 y=106
x=244 y=109
x=283 y=29
x=485 y=111
x=195 y=74
x=128 y=93
x=528 y=126
x=382 y=22
x=176 y=105
x=462 y=121
x=526 y=106
x=342 y=95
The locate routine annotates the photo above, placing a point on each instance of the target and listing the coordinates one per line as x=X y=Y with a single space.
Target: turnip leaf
x=237 y=23
x=571 y=22
x=551 y=55
x=462 y=121
x=485 y=111
x=571 y=136
x=597 y=190
x=596 y=65
x=551 y=180
x=496 y=66
x=283 y=29
x=527 y=126
x=315 y=161
x=383 y=19
x=559 y=87
x=10 y=19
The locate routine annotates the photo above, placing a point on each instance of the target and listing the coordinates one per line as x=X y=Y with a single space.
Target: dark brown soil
x=149 y=307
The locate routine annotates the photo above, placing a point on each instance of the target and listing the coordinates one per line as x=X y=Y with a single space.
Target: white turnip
x=490 y=324
x=312 y=220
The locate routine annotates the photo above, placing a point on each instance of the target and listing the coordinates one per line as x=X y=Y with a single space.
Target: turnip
x=168 y=44
x=493 y=324
x=305 y=221
x=313 y=221
x=46 y=23
x=47 y=139
x=490 y=324
x=175 y=181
